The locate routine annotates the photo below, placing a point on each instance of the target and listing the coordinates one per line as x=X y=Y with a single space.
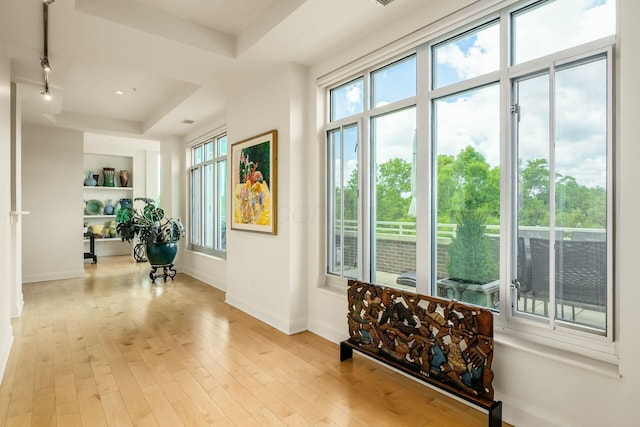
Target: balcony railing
x=392 y=228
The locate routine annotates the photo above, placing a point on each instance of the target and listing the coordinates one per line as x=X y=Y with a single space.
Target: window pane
x=195 y=206
x=552 y=26
x=221 y=243
x=197 y=155
x=581 y=192
x=470 y=55
x=532 y=95
x=222 y=146
x=393 y=82
x=347 y=100
x=208 y=206
x=208 y=151
x=343 y=201
x=394 y=246
x=467 y=196
x=576 y=262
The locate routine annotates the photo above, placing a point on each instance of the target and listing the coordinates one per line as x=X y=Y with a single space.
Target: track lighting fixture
x=44 y=61
x=46 y=94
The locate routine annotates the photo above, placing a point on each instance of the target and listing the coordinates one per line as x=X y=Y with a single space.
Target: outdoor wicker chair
x=581 y=273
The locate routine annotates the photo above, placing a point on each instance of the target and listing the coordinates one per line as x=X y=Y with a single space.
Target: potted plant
x=158 y=233
x=471 y=267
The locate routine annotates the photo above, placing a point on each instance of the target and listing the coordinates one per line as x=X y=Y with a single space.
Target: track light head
x=44 y=62
x=46 y=94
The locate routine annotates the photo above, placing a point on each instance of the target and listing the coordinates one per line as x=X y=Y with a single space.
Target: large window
x=208 y=201
x=371 y=185
x=479 y=168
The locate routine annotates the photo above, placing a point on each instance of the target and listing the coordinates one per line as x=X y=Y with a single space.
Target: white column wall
x=172 y=187
x=52 y=177
x=17 y=299
x=265 y=273
x=6 y=335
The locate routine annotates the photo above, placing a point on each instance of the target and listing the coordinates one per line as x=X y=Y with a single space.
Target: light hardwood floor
x=112 y=349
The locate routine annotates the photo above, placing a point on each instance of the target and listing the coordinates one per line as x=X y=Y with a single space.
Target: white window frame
x=214 y=138
x=519 y=331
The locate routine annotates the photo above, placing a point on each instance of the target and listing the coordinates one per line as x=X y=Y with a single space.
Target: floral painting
x=253 y=183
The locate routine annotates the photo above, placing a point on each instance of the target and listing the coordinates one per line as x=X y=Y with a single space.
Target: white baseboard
x=324 y=330
x=280 y=324
x=5 y=350
x=197 y=275
x=45 y=277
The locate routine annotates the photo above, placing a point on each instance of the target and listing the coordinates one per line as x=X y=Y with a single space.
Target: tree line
x=468 y=183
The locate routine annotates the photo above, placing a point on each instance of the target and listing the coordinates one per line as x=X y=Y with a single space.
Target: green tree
x=470 y=256
x=393 y=191
x=534 y=193
x=577 y=206
x=351 y=197
x=467 y=183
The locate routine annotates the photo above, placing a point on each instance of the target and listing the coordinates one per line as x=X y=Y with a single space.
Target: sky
x=472 y=118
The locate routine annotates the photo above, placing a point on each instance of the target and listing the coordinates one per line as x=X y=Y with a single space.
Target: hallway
x=114 y=349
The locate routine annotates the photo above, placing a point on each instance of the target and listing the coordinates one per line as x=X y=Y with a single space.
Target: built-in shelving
x=94 y=163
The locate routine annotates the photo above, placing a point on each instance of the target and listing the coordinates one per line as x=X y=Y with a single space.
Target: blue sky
x=472 y=118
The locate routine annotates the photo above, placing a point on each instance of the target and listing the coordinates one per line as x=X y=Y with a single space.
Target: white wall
x=52 y=177
x=17 y=299
x=6 y=335
x=266 y=273
x=537 y=389
x=171 y=187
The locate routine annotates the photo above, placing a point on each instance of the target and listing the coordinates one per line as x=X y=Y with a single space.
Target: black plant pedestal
x=167 y=271
x=140 y=252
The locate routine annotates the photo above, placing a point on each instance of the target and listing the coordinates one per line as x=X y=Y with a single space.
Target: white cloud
x=560 y=25
x=354 y=98
x=470 y=120
x=481 y=57
x=394 y=135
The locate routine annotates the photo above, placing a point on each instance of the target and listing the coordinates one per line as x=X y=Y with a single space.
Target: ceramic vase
x=125 y=203
x=124 y=178
x=109 y=175
x=90 y=181
x=108 y=209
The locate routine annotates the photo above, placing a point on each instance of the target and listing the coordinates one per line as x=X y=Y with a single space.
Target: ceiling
x=172 y=60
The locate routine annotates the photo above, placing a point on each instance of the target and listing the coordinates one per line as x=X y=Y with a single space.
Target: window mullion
x=364 y=206
x=552 y=199
x=507 y=221
x=342 y=215
x=424 y=233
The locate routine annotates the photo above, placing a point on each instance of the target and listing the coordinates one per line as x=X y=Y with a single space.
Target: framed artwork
x=254 y=183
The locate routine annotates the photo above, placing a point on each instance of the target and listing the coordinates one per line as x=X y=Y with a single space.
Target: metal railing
x=396 y=228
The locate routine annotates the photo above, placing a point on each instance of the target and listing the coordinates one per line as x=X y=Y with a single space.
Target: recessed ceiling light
x=118 y=92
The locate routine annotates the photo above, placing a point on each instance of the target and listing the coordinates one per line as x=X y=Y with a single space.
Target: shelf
x=102 y=187
x=98 y=216
x=106 y=239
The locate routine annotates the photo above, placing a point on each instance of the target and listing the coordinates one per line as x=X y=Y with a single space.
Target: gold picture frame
x=254 y=164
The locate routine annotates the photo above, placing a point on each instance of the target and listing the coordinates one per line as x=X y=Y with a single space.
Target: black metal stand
x=346 y=352
x=92 y=248
x=494 y=410
x=167 y=271
x=140 y=252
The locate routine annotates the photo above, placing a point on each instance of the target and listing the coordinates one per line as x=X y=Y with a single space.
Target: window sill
x=214 y=256
x=590 y=360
